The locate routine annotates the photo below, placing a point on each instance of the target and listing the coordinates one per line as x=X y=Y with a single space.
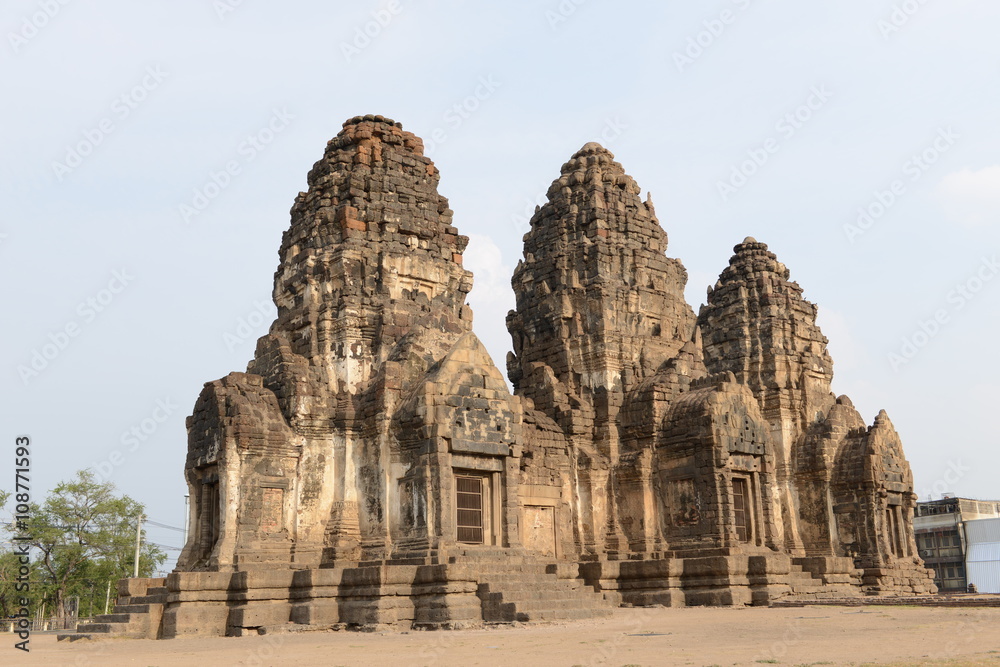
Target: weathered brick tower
x=711 y=463
x=368 y=385
x=372 y=467
x=842 y=490
x=599 y=308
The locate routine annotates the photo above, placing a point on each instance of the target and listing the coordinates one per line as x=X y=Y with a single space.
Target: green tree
x=10 y=591
x=84 y=538
x=10 y=566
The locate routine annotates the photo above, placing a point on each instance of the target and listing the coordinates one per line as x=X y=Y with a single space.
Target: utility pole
x=107 y=597
x=138 y=543
x=187 y=519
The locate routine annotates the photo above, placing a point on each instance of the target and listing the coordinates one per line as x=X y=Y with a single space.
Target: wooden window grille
x=741 y=509
x=469 y=503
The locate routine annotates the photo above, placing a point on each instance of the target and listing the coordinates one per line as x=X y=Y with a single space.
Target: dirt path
x=695 y=636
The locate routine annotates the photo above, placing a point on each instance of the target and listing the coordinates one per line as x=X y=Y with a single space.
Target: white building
x=940 y=529
x=982 y=560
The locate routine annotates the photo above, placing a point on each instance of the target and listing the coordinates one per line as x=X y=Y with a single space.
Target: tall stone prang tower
x=759 y=327
x=599 y=307
x=688 y=440
x=329 y=447
x=843 y=489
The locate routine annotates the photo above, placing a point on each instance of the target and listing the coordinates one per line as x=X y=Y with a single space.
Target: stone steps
x=514 y=570
x=115 y=617
x=542 y=593
x=541 y=610
x=534 y=592
x=104 y=627
x=805 y=585
x=801 y=581
x=501 y=579
x=530 y=599
x=549 y=604
x=799 y=589
x=145 y=600
x=101 y=626
x=133 y=615
x=562 y=615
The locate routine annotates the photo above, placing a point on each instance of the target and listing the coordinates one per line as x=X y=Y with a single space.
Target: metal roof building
x=939 y=528
x=982 y=559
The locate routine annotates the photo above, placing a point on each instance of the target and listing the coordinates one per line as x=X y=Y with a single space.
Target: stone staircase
x=137 y=613
x=806 y=584
x=518 y=589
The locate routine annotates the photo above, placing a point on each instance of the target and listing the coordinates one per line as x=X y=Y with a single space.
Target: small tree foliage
x=82 y=539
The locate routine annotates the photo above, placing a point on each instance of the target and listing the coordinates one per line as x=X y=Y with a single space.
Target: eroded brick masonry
x=372 y=467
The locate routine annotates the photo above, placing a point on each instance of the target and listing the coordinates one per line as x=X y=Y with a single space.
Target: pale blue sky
x=198 y=81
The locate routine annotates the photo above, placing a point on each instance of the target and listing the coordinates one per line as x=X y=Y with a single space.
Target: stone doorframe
x=491 y=505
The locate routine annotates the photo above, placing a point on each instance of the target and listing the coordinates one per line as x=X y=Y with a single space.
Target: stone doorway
x=538 y=530
x=892 y=531
x=743 y=516
x=472 y=506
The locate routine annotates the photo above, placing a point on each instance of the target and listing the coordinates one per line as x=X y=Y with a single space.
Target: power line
x=163 y=525
x=164 y=546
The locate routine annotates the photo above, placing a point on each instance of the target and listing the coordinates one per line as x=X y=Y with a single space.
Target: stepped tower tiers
x=716 y=440
x=371 y=466
x=370 y=251
x=757 y=325
x=331 y=446
x=599 y=307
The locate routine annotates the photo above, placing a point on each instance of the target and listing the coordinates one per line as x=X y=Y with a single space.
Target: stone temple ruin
x=372 y=467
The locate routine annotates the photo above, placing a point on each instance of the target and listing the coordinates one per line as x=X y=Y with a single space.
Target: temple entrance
x=538 y=530
x=472 y=504
x=207 y=528
x=741 y=510
x=476 y=499
x=892 y=531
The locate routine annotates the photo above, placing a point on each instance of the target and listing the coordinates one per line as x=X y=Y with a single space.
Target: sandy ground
x=695 y=636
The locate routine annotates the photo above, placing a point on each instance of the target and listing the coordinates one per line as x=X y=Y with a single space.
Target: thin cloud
x=971 y=198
